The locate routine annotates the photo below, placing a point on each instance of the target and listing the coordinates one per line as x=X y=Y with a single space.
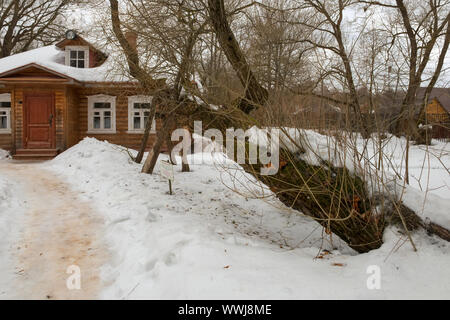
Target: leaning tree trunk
x=150 y=162
x=145 y=80
x=255 y=94
x=174 y=99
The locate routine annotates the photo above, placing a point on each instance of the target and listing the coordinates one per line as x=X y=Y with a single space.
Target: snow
x=202 y=211
x=4 y=154
x=53 y=58
x=198 y=99
x=208 y=242
x=429 y=206
x=11 y=219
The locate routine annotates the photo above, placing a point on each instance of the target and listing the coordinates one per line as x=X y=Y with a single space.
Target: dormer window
x=77 y=56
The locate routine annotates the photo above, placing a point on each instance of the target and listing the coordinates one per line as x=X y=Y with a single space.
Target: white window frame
x=131 y=110
x=6 y=97
x=78 y=48
x=101 y=98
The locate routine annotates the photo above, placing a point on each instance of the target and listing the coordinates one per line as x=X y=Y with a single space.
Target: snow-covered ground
x=206 y=241
x=428 y=191
x=11 y=222
x=4 y=154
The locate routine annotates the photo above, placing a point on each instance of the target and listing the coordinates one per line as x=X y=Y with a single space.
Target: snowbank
x=208 y=242
x=4 y=154
x=429 y=190
x=429 y=207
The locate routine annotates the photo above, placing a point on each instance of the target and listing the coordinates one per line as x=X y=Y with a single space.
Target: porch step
x=35 y=154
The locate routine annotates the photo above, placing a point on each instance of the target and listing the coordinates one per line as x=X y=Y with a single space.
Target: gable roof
x=33 y=72
x=53 y=59
x=78 y=41
x=440 y=94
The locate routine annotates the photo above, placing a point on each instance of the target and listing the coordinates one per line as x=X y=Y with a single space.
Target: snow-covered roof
x=52 y=58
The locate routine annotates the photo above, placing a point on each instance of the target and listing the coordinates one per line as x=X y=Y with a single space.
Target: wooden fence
x=441 y=131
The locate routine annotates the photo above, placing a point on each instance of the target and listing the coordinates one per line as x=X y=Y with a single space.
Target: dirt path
x=60 y=231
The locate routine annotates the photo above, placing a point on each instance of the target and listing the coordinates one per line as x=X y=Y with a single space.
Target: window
x=102 y=114
x=138 y=113
x=77 y=59
x=77 y=56
x=5 y=113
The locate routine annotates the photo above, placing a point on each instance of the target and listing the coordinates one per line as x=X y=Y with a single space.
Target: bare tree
x=255 y=94
x=278 y=61
x=324 y=22
x=25 y=23
x=418 y=29
x=168 y=30
x=336 y=197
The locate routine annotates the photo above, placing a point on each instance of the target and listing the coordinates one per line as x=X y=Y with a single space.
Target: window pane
x=5 y=104
x=73 y=54
x=73 y=63
x=81 y=55
x=96 y=122
x=139 y=105
x=137 y=123
x=3 y=122
x=107 y=113
x=107 y=122
x=102 y=105
x=146 y=115
x=80 y=63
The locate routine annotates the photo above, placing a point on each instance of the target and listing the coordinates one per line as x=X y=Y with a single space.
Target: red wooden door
x=39 y=122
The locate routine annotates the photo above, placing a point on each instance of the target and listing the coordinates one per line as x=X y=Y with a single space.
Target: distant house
x=438 y=108
x=437 y=111
x=387 y=106
x=54 y=96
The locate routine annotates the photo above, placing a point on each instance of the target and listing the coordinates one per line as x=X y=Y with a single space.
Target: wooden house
x=437 y=111
x=438 y=108
x=52 y=97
